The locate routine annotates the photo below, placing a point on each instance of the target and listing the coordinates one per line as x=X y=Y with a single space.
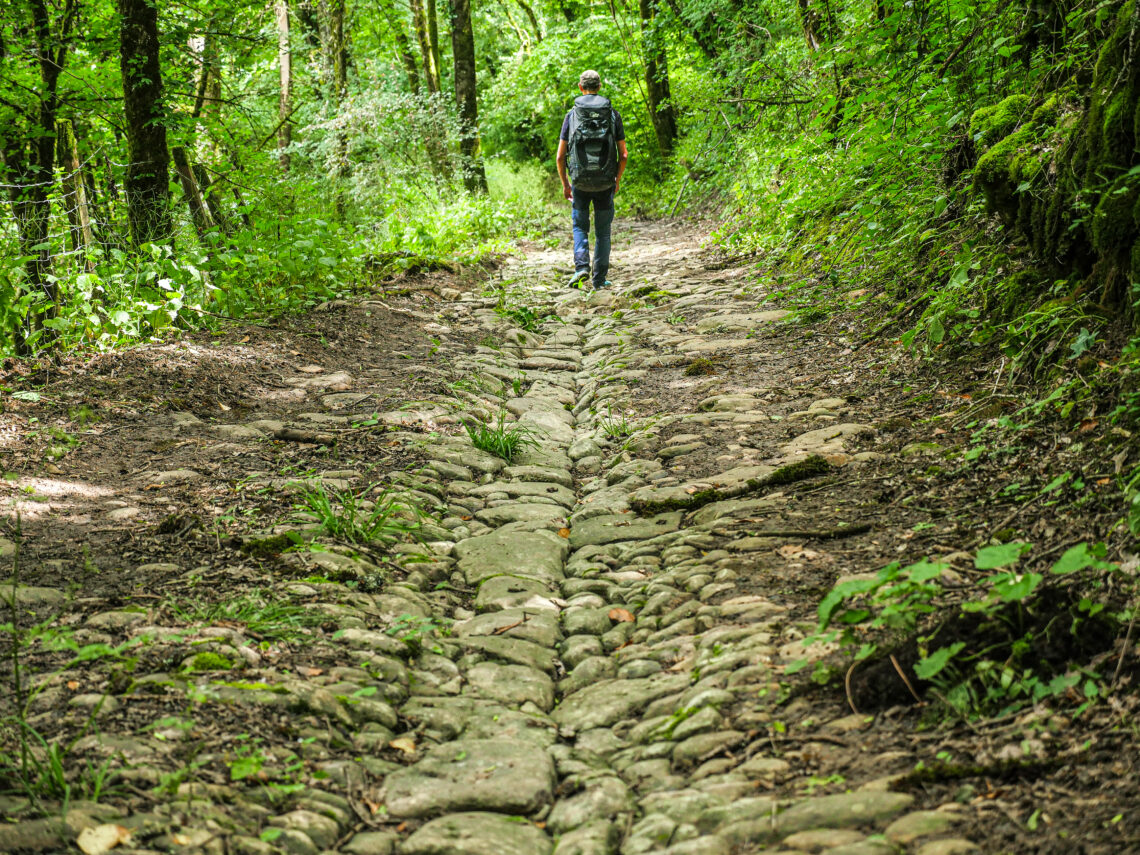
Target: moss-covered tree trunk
x=423 y=38
x=148 y=167
x=463 y=54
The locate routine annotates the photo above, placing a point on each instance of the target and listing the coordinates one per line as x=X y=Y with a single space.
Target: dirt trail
x=584 y=654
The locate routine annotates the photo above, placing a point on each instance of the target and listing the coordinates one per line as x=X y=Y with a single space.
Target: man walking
x=591 y=160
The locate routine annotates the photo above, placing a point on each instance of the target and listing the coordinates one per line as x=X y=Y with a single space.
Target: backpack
x=592 y=148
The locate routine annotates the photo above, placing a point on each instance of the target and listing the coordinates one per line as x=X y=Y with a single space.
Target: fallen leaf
x=939 y=431
x=621 y=615
x=1088 y=424
x=243 y=339
x=403 y=826
x=312 y=672
x=563 y=532
x=466 y=517
x=690 y=490
x=310 y=369
x=102 y=838
x=540 y=825
x=73 y=684
x=1100 y=482
x=373 y=807
x=153 y=487
x=403 y=743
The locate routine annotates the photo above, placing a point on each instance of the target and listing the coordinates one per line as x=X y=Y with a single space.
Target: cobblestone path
x=590 y=662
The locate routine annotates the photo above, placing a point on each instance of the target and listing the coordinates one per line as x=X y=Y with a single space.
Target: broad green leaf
x=931 y=665
x=840 y=593
x=1077 y=558
x=935 y=332
x=1017 y=586
x=924 y=570
x=1002 y=555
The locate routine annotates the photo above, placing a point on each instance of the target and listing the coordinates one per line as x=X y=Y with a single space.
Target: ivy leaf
x=1002 y=555
x=931 y=665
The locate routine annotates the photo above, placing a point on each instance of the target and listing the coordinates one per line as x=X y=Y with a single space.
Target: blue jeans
x=603 y=218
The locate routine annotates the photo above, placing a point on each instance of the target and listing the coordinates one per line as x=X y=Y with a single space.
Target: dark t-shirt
x=619 y=126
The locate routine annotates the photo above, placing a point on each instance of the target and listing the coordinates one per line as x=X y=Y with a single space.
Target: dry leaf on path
x=621 y=615
x=310 y=369
x=563 y=532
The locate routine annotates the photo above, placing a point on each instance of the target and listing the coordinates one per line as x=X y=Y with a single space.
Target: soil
x=102 y=437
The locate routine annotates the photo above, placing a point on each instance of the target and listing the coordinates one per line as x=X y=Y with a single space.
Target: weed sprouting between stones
x=500 y=439
x=348 y=516
x=263 y=614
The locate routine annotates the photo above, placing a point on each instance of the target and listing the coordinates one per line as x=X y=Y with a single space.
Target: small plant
x=499 y=439
x=343 y=514
x=675 y=318
x=993 y=654
x=413 y=630
x=615 y=428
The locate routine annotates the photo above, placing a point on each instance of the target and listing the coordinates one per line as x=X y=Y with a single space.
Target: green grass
x=343 y=515
x=499 y=439
x=262 y=613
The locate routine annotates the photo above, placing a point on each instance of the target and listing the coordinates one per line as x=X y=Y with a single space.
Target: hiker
x=591 y=160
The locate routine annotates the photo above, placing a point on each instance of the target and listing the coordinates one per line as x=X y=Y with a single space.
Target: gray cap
x=590 y=80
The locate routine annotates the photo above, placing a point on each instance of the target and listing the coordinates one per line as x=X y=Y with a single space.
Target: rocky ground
x=581 y=651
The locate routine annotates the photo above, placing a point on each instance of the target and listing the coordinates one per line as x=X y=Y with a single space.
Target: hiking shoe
x=606 y=284
x=576 y=279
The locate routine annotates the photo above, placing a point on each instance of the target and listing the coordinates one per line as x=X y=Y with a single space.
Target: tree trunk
x=533 y=19
x=403 y=46
x=285 y=97
x=423 y=37
x=148 y=166
x=463 y=56
x=809 y=23
x=213 y=202
x=657 y=79
x=75 y=195
x=336 y=53
x=203 y=223
x=433 y=43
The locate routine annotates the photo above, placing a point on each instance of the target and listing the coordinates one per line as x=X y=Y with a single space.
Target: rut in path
x=591 y=660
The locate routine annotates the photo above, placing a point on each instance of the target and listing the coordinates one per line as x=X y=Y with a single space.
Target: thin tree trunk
x=657 y=79
x=199 y=214
x=213 y=202
x=75 y=195
x=420 y=26
x=533 y=19
x=463 y=57
x=403 y=46
x=147 y=175
x=433 y=43
x=336 y=54
x=809 y=22
x=285 y=97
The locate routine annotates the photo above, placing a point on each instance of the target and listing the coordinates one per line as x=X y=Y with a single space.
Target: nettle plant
x=1028 y=637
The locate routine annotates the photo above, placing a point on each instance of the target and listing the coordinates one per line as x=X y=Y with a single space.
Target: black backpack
x=592 y=148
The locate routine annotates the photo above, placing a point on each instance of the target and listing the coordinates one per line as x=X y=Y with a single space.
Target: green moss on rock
x=207 y=661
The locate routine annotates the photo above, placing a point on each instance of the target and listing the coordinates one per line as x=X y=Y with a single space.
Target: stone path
x=588 y=663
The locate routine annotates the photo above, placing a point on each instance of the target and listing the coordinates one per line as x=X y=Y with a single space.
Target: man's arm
x=561 y=159
x=623 y=156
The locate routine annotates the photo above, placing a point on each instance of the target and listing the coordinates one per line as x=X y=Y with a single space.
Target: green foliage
x=982 y=655
x=348 y=516
x=263 y=613
x=500 y=439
